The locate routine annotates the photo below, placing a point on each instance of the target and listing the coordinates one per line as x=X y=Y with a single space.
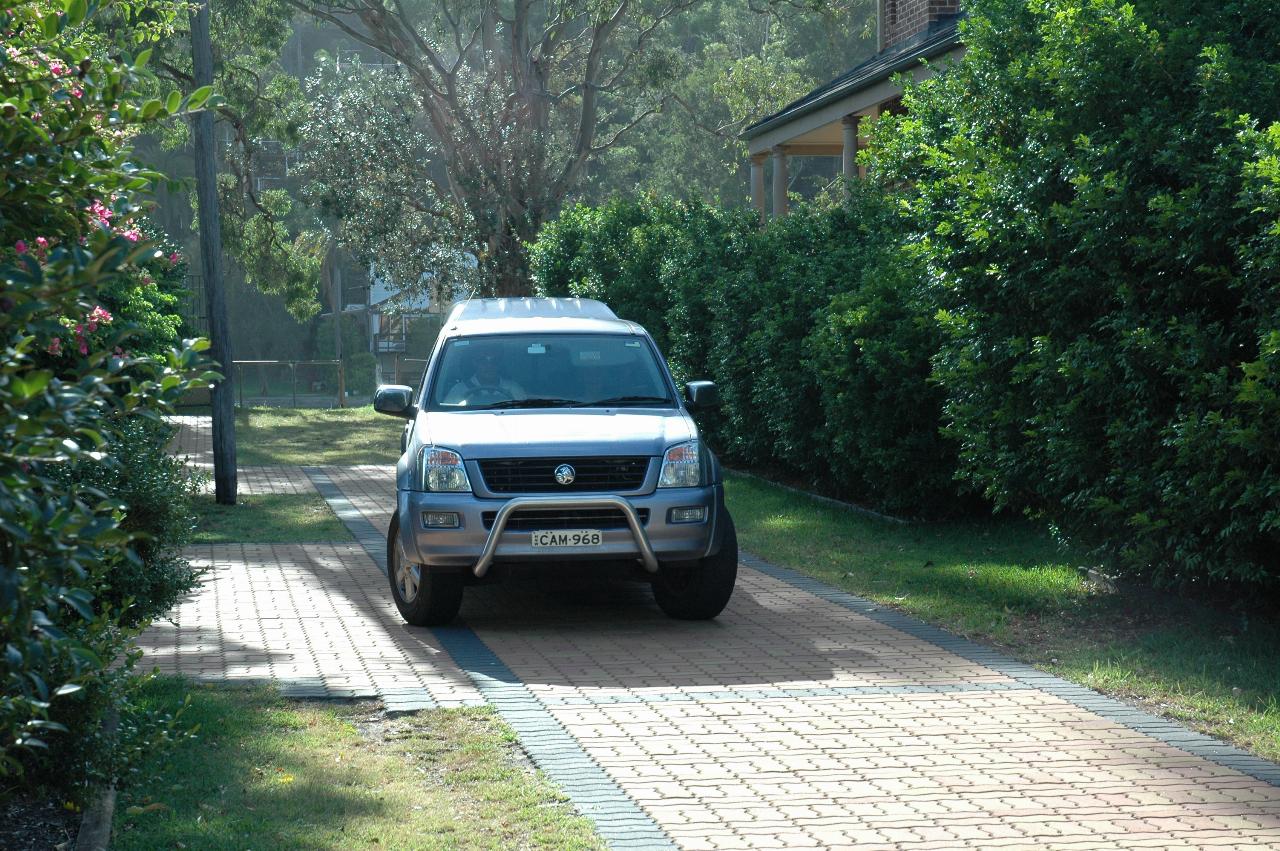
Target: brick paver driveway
x=800 y=718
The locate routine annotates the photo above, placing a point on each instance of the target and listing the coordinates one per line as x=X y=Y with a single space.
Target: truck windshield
x=548 y=371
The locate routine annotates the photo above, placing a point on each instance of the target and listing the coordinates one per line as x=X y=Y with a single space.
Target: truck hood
x=554 y=432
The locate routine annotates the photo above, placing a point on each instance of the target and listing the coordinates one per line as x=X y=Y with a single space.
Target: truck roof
x=513 y=315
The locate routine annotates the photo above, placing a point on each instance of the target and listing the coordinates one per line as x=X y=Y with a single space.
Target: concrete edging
x=95 y=824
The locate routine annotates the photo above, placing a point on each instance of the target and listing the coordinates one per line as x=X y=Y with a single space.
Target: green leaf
x=79 y=599
x=87 y=656
x=174 y=100
x=76 y=11
x=198 y=98
x=141 y=61
x=24 y=387
x=151 y=108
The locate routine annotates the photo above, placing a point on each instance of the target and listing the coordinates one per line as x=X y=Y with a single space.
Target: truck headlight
x=441 y=470
x=682 y=466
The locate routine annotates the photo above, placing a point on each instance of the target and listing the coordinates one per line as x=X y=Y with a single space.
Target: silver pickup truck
x=547 y=431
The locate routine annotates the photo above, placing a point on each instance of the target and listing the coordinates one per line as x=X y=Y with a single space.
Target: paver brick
x=310 y=617
x=790 y=721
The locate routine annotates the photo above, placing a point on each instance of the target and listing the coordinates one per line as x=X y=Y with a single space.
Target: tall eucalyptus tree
x=511 y=99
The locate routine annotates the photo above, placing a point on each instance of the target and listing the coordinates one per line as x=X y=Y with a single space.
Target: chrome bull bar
x=504 y=514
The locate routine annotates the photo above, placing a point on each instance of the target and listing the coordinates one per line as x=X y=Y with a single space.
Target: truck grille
x=531 y=519
x=537 y=475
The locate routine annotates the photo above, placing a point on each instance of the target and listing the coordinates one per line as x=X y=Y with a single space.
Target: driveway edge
x=617 y=817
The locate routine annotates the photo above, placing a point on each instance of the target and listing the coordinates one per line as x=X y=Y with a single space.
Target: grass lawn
x=266 y=773
x=268 y=519
x=1004 y=583
x=334 y=437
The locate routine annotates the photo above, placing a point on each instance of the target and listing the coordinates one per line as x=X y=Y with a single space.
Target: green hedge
x=1097 y=194
x=1086 y=253
x=810 y=327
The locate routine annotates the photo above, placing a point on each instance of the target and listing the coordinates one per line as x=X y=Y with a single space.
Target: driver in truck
x=485 y=384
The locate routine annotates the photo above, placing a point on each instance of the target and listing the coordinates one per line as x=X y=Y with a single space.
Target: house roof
x=940 y=37
x=384 y=294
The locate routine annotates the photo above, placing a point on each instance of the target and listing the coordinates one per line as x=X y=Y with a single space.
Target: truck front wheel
x=699 y=590
x=424 y=598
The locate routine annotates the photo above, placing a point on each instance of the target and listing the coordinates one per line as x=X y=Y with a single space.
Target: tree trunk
x=508 y=266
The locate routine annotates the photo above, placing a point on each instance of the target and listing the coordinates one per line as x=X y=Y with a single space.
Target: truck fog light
x=693 y=514
x=440 y=520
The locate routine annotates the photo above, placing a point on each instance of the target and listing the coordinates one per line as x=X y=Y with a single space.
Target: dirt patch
x=424 y=731
x=27 y=825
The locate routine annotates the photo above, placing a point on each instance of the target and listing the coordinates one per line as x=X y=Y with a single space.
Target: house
x=825 y=121
x=398 y=325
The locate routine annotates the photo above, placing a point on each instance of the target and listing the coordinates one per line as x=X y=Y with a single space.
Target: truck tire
x=424 y=598
x=699 y=590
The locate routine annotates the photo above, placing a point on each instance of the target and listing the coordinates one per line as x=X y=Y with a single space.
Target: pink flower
x=174 y=258
x=77 y=92
x=58 y=69
x=42 y=243
x=101 y=212
x=55 y=346
x=132 y=234
x=20 y=246
x=100 y=314
x=84 y=346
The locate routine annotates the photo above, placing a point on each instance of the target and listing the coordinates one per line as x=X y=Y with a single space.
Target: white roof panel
x=529 y=308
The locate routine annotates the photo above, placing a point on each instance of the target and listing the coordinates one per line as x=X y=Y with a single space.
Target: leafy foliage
x=156 y=491
x=363 y=155
x=277 y=257
x=811 y=327
x=68 y=235
x=1096 y=188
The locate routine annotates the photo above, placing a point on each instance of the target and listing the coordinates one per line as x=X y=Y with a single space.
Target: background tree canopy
x=436 y=156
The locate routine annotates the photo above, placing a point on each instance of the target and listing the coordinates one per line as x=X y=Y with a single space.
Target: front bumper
x=475 y=546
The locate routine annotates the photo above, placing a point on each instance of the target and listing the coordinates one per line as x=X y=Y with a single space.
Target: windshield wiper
x=536 y=402
x=624 y=400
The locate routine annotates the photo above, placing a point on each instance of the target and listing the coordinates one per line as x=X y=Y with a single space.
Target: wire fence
x=403 y=371
x=291 y=383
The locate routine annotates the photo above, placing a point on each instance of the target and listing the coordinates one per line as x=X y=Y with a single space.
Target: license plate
x=568 y=538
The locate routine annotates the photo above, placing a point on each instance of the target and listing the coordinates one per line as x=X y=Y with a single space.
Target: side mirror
x=396 y=400
x=701 y=395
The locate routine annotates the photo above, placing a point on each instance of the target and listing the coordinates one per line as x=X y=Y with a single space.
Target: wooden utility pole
x=335 y=297
x=224 y=423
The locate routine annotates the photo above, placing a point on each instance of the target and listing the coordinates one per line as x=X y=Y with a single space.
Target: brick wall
x=901 y=19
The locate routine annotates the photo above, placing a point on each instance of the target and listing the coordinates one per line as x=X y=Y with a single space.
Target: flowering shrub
x=68 y=103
